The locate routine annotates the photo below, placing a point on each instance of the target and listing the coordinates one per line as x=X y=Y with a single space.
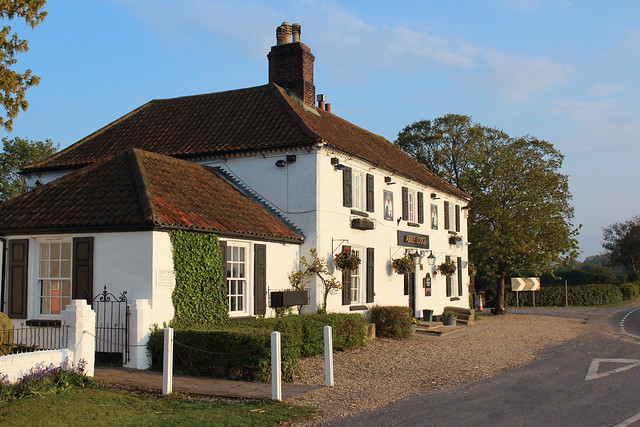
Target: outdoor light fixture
x=281 y=163
x=434 y=196
x=431 y=259
x=388 y=180
x=291 y=158
x=335 y=161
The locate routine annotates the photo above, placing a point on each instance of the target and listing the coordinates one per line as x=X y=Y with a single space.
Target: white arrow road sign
x=593 y=373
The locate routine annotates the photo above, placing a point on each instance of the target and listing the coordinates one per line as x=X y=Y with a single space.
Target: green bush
x=241 y=353
x=630 y=291
x=392 y=321
x=583 y=295
x=306 y=331
x=242 y=350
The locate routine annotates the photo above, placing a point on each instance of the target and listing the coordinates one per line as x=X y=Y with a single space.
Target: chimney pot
x=327 y=107
x=321 y=98
x=286 y=29
x=296 y=30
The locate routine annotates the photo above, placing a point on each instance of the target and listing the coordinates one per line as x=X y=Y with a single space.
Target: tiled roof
x=139 y=190
x=258 y=118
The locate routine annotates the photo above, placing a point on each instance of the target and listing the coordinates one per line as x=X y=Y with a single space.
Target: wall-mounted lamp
x=431 y=259
x=335 y=161
x=281 y=163
x=291 y=158
x=388 y=180
x=434 y=196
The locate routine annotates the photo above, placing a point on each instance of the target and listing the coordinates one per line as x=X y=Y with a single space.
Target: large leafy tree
x=622 y=240
x=14 y=84
x=520 y=215
x=17 y=153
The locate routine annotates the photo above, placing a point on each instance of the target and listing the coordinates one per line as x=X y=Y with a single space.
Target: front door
x=409 y=285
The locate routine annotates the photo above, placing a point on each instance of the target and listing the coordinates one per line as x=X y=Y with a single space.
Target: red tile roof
x=258 y=118
x=139 y=190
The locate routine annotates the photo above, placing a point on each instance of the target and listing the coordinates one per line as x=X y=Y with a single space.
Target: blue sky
x=563 y=71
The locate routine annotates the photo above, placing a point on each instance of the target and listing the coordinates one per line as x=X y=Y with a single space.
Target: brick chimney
x=291 y=63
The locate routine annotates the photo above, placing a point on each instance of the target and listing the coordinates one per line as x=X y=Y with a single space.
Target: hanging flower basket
x=346 y=260
x=404 y=265
x=447 y=268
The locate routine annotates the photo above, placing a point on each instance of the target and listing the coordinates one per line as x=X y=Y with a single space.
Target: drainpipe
x=4 y=270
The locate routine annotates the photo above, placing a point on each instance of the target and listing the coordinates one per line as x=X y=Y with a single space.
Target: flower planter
x=289 y=298
x=449 y=321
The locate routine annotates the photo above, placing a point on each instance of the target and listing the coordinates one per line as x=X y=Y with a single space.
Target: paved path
x=198 y=385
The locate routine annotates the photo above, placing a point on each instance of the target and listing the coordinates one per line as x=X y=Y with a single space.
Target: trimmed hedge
x=306 y=331
x=584 y=295
x=242 y=350
x=630 y=291
x=392 y=321
x=224 y=353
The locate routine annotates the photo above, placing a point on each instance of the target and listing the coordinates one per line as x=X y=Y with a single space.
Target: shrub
x=630 y=291
x=392 y=321
x=46 y=379
x=584 y=295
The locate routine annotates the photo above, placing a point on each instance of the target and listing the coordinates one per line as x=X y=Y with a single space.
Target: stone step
x=423 y=324
x=439 y=330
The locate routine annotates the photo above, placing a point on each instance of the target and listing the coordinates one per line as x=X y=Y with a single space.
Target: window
x=356 y=279
x=236 y=272
x=411 y=200
x=357 y=191
x=54 y=276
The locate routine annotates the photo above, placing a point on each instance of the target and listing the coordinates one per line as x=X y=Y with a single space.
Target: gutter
x=4 y=270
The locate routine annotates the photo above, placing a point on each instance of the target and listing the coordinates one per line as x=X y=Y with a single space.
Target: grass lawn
x=103 y=406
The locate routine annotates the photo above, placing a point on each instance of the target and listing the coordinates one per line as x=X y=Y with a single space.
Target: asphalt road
x=593 y=380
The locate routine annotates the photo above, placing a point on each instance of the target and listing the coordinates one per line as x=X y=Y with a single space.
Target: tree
x=13 y=84
x=520 y=215
x=622 y=240
x=17 y=153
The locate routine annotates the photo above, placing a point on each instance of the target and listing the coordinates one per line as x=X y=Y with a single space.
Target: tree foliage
x=14 y=84
x=17 y=153
x=622 y=240
x=520 y=215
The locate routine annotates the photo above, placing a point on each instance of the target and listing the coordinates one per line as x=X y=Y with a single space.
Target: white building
x=299 y=177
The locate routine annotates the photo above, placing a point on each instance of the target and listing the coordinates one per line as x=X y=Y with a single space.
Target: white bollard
x=276 y=366
x=167 y=368
x=328 y=356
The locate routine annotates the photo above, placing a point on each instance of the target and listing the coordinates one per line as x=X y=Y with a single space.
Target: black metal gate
x=112 y=327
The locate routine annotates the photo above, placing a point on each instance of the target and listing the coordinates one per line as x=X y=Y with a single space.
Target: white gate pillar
x=82 y=329
x=139 y=333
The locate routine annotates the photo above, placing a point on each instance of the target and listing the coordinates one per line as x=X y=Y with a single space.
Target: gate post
x=82 y=328
x=139 y=326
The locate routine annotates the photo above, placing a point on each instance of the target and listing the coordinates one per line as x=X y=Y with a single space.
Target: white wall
x=44 y=177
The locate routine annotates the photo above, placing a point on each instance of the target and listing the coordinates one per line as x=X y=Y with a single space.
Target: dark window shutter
x=370 y=272
x=446 y=216
x=346 y=284
x=370 y=192
x=347 y=187
x=449 y=279
x=457 y=217
x=225 y=274
x=420 y=208
x=260 y=279
x=459 y=276
x=18 y=267
x=407 y=283
x=82 y=280
x=405 y=203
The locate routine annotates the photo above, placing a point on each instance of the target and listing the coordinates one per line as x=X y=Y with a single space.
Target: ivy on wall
x=200 y=295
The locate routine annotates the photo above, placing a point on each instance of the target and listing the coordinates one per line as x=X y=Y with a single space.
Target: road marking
x=624 y=319
x=628 y=421
x=593 y=373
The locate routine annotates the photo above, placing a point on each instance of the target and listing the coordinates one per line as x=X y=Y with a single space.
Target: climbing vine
x=200 y=295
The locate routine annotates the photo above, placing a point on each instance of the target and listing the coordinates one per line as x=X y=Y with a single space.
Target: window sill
x=413 y=224
x=359 y=213
x=454 y=299
x=358 y=308
x=43 y=322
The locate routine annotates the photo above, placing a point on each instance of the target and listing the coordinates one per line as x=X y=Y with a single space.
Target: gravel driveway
x=388 y=370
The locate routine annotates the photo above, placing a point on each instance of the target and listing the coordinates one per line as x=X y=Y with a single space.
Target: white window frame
x=357 y=190
x=243 y=273
x=412 y=206
x=52 y=274
x=358 y=279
